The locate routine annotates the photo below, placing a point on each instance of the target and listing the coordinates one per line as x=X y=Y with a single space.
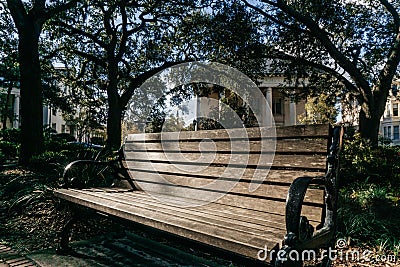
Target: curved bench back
x=250 y=168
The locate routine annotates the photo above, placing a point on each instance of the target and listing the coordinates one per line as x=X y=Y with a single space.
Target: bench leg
x=63 y=247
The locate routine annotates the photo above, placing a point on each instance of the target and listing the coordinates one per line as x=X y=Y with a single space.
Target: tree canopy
x=356 y=43
x=115 y=47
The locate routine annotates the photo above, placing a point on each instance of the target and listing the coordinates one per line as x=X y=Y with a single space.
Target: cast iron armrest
x=298 y=228
x=300 y=233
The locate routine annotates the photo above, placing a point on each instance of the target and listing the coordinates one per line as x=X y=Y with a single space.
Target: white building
x=54 y=119
x=14 y=102
x=284 y=110
x=390 y=122
x=51 y=117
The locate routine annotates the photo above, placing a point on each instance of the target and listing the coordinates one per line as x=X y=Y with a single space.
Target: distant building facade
x=284 y=110
x=51 y=117
x=13 y=106
x=390 y=122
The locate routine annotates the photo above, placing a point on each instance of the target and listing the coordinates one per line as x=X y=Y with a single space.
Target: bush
x=63 y=137
x=2 y=158
x=54 y=145
x=369 y=215
x=11 y=135
x=49 y=162
x=362 y=163
x=58 y=142
x=97 y=141
x=9 y=149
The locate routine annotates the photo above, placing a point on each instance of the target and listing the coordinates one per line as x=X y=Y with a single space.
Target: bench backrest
x=251 y=168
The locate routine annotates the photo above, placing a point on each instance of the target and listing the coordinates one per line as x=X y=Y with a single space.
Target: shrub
x=49 y=162
x=361 y=162
x=54 y=145
x=369 y=215
x=63 y=137
x=9 y=149
x=11 y=135
x=2 y=158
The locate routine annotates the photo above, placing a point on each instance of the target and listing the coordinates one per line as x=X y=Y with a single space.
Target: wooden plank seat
x=237 y=190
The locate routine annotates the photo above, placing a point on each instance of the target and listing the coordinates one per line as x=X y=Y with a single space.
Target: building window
x=277 y=106
x=396 y=132
x=396 y=109
x=385 y=132
x=63 y=128
x=54 y=126
x=389 y=132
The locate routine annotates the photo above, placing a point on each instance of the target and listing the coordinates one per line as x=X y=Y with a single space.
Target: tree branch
x=73 y=30
x=18 y=13
x=319 y=34
x=99 y=61
x=272 y=18
x=322 y=67
x=125 y=35
x=389 y=70
x=141 y=78
x=393 y=12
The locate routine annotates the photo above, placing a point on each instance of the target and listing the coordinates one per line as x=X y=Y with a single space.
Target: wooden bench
x=200 y=186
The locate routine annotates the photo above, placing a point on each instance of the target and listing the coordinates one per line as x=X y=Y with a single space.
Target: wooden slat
x=235 y=203
x=312 y=131
x=193 y=214
x=223 y=211
x=297 y=146
x=269 y=206
x=217 y=236
x=316 y=162
x=186 y=187
x=213 y=172
x=269 y=219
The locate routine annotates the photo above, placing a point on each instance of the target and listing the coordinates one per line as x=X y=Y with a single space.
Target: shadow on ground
x=122 y=249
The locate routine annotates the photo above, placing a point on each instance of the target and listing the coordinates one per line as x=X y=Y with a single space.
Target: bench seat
x=239 y=230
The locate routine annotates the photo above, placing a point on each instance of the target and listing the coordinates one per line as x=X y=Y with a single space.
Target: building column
x=292 y=113
x=16 y=112
x=196 y=114
x=269 y=114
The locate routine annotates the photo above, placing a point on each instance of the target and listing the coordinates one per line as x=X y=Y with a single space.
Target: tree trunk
x=369 y=125
x=114 y=115
x=31 y=92
x=114 y=118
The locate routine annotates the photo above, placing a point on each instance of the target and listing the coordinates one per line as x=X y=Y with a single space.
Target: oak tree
x=29 y=18
x=355 y=42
